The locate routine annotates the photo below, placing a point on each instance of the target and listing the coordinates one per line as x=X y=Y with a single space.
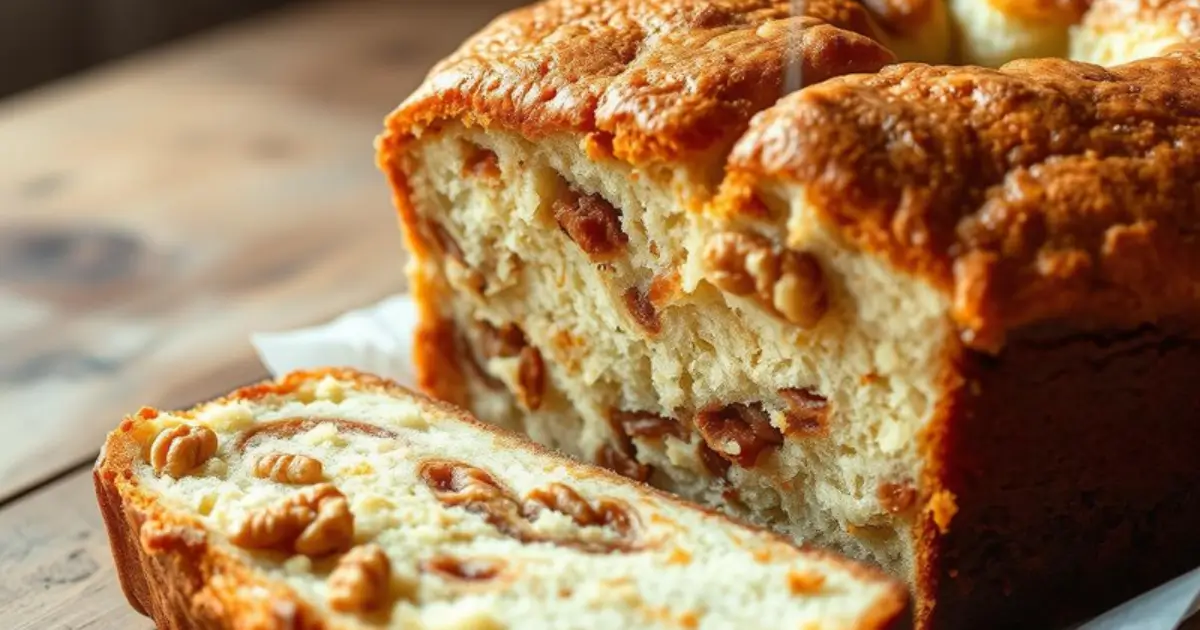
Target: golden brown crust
x=170 y=573
x=1045 y=190
x=168 y=570
x=655 y=81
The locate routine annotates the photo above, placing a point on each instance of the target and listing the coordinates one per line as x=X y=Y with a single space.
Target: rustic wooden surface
x=57 y=571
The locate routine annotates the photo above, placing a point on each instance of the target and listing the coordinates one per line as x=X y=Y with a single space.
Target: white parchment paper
x=378 y=339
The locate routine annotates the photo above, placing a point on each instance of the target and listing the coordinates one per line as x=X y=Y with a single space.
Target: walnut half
x=786 y=282
x=289 y=468
x=361 y=580
x=807 y=411
x=459 y=484
x=621 y=456
x=181 y=449
x=626 y=465
x=592 y=223
x=314 y=522
x=531 y=378
x=738 y=432
x=561 y=498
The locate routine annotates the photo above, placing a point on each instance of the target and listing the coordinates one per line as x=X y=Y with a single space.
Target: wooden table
x=157 y=212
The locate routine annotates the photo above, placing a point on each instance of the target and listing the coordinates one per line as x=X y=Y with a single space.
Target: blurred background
x=42 y=40
x=175 y=175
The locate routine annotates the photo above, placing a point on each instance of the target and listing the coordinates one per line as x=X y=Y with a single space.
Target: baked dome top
x=653 y=81
x=1044 y=189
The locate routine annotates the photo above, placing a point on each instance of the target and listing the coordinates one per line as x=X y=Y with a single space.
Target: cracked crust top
x=650 y=81
x=1042 y=191
x=1045 y=190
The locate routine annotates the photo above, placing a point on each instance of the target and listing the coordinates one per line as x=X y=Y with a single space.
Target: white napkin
x=1163 y=608
x=378 y=339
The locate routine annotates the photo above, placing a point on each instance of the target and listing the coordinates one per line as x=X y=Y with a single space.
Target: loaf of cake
x=333 y=499
x=937 y=317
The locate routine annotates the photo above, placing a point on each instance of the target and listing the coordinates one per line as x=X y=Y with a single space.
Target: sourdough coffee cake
x=939 y=317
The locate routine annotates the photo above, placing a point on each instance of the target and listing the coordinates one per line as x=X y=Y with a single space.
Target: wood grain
x=57 y=569
x=158 y=212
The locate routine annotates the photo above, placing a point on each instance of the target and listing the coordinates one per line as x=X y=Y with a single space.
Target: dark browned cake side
x=1073 y=460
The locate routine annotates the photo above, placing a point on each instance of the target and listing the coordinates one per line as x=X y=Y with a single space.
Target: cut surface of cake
x=333 y=499
x=942 y=318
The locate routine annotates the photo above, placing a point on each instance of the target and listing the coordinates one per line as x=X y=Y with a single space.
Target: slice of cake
x=333 y=499
x=942 y=318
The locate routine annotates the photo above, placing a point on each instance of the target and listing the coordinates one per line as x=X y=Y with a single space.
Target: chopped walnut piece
x=561 y=498
x=617 y=515
x=314 y=522
x=459 y=484
x=807 y=411
x=361 y=580
x=459 y=272
x=531 y=378
x=645 y=424
x=494 y=342
x=726 y=260
x=181 y=449
x=482 y=163
x=289 y=468
x=642 y=311
x=897 y=497
x=717 y=466
x=506 y=341
x=591 y=222
x=467 y=351
x=564 y=499
x=612 y=458
x=799 y=293
x=469 y=570
x=786 y=282
x=738 y=432
x=621 y=456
